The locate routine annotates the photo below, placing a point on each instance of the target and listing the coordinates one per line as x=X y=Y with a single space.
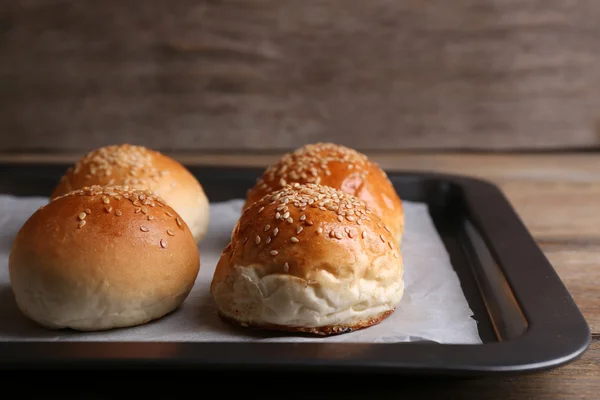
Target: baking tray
x=526 y=318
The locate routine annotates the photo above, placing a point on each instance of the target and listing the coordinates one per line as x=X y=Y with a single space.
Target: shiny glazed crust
x=341 y=168
x=102 y=258
x=140 y=168
x=309 y=258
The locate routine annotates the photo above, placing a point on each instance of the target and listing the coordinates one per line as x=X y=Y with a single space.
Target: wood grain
x=274 y=74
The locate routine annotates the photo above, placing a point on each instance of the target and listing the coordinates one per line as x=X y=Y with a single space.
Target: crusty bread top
x=141 y=168
x=341 y=168
x=88 y=235
x=301 y=230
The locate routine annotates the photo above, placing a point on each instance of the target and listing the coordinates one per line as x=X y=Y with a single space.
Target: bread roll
x=142 y=168
x=341 y=168
x=102 y=258
x=309 y=258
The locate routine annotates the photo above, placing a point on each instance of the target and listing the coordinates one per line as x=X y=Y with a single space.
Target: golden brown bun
x=102 y=258
x=142 y=168
x=309 y=258
x=341 y=168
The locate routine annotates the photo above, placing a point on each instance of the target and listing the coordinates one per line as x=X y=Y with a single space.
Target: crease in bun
x=341 y=168
x=309 y=258
x=138 y=167
x=100 y=258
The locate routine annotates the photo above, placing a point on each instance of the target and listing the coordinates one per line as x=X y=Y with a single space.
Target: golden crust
x=111 y=246
x=341 y=168
x=314 y=236
x=138 y=167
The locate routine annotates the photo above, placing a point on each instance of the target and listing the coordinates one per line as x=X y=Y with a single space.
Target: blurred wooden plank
x=266 y=74
x=578 y=267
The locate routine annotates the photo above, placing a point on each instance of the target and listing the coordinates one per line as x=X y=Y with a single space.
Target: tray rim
x=553 y=347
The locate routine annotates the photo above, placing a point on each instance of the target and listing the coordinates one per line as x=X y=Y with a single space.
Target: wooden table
x=558 y=198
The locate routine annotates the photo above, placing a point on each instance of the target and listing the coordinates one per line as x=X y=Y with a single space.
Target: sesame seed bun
x=309 y=258
x=141 y=168
x=341 y=168
x=102 y=258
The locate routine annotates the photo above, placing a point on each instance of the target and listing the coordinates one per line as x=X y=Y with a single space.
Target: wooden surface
x=274 y=74
x=558 y=198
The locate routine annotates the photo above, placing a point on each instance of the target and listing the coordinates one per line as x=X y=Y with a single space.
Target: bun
x=141 y=168
x=341 y=168
x=102 y=258
x=309 y=258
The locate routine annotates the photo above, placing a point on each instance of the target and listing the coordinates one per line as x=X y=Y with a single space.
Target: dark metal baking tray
x=527 y=320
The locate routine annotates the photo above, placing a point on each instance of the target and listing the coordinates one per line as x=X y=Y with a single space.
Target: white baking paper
x=433 y=308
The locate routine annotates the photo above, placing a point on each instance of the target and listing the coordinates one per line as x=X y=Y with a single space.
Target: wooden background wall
x=274 y=74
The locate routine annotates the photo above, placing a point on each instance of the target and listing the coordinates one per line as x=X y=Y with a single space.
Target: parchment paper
x=433 y=307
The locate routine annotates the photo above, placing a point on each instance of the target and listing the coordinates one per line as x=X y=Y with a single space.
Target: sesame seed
x=144 y=228
x=340 y=218
x=294 y=239
x=364 y=234
x=170 y=232
x=268 y=240
x=319 y=230
x=245 y=240
x=302 y=217
x=274 y=252
x=338 y=235
x=267 y=227
x=81 y=223
x=351 y=234
x=281 y=207
x=350 y=218
x=150 y=217
x=359 y=222
x=382 y=238
x=137 y=210
x=290 y=220
x=286 y=267
x=81 y=216
x=163 y=243
x=108 y=209
x=257 y=239
x=144 y=210
x=105 y=200
x=137 y=203
x=298 y=230
x=88 y=211
x=118 y=213
x=179 y=222
x=142 y=197
x=286 y=215
x=261 y=209
x=169 y=214
x=275 y=231
x=277 y=215
x=390 y=245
